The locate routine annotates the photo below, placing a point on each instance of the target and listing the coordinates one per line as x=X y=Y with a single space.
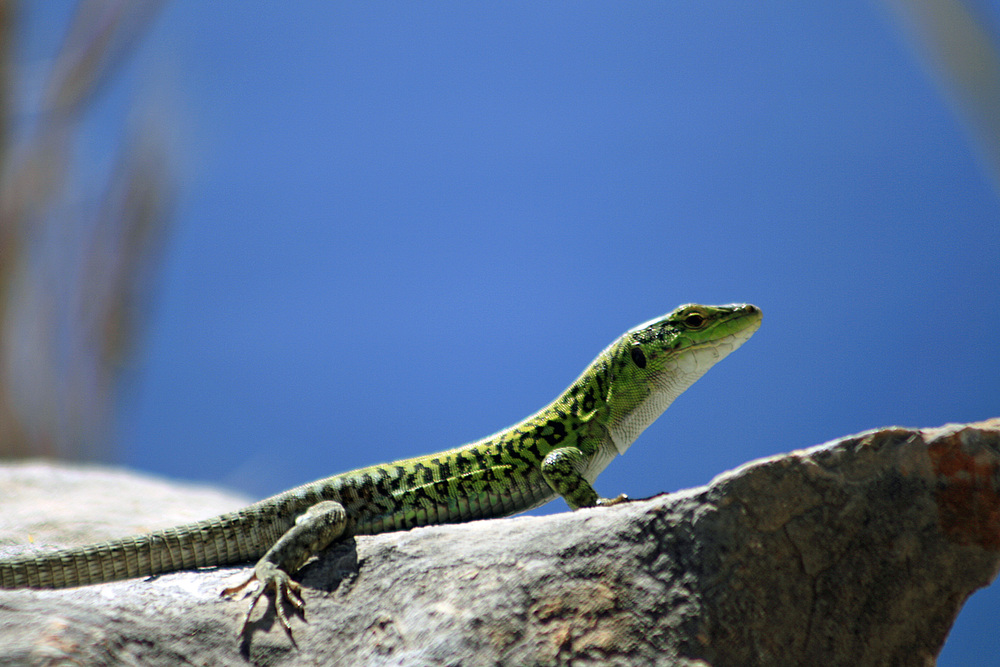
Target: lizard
x=558 y=451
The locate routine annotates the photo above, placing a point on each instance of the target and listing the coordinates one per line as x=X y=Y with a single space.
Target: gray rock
x=857 y=552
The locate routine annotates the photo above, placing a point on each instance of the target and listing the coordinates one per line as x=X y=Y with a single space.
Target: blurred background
x=258 y=244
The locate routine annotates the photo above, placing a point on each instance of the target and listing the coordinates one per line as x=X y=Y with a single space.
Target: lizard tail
x=231 y=538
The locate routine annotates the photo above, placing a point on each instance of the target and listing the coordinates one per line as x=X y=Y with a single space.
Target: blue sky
x=403 y=226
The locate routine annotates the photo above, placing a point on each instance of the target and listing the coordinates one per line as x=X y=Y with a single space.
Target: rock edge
x=858 y=551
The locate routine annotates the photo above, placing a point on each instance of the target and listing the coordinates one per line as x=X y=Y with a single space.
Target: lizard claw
x=285 y=590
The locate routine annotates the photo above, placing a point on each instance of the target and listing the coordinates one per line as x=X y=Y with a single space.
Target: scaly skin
x=558 y=451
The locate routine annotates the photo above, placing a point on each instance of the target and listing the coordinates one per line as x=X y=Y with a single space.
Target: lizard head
x=652 y=364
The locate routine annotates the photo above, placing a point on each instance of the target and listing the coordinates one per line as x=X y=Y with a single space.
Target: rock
x=72 y=504
x=857 y=552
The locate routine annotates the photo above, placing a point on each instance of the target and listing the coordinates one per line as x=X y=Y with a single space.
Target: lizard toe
x=233 y=590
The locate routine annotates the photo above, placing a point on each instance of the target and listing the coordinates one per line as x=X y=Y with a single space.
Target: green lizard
x=558 y=451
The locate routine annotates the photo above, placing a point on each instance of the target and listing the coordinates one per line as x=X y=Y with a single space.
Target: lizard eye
x=638 y=357
x=695 y=321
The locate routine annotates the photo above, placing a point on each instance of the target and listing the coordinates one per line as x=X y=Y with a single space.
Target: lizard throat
x=683 y=371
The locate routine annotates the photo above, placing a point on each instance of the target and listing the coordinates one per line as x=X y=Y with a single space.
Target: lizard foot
x=604 y=502
x=285 y=590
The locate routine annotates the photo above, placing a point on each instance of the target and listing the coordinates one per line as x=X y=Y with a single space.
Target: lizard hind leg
x=313 y=531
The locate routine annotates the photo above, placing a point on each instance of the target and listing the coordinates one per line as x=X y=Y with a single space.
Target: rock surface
x=859 y=551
